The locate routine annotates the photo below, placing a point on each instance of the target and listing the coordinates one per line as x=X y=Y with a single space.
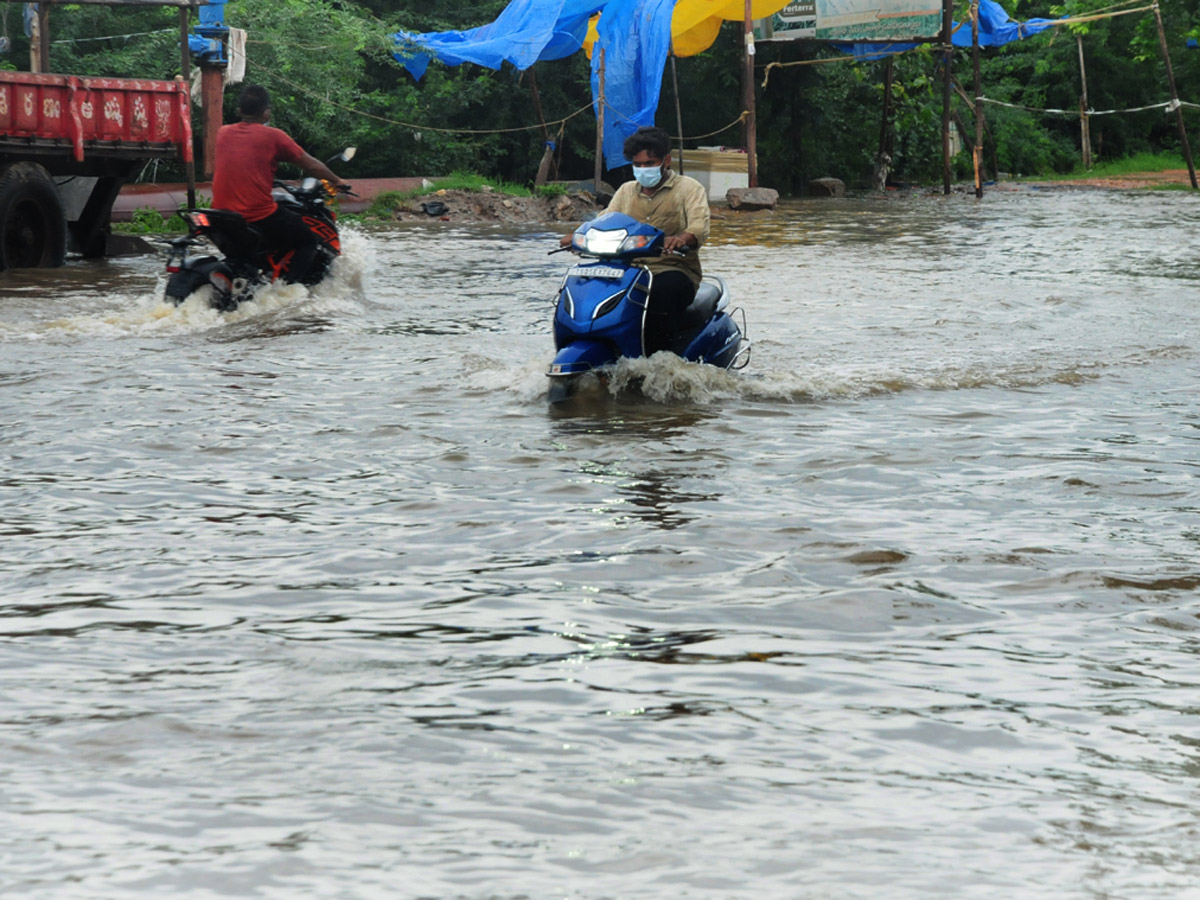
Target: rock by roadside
x=492 y=206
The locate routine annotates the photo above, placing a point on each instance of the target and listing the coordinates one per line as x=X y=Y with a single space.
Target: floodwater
x=320 y=600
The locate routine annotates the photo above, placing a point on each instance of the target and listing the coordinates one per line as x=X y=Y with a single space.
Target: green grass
x=1114 y=168
x=385 y=203
x=465 y=181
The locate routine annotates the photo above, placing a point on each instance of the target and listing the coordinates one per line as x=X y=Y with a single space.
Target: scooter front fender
x=581 y=356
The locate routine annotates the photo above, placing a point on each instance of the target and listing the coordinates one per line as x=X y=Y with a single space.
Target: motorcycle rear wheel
x=183 y=284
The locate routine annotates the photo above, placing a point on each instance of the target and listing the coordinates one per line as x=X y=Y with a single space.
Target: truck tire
x=33 y=228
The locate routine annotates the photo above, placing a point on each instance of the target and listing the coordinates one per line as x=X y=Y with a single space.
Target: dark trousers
x=670 y=295
x=284 y=232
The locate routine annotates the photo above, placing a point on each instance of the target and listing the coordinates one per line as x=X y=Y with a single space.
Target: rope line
x=410 y=125
x=697 y=137
x=1114 y=6
x=1074 y=20
x=833 y=59
x=700 y=137
x=115 y=37
x=1167 y=106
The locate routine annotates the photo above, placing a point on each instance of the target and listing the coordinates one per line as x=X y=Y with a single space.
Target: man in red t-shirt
x=247 y=156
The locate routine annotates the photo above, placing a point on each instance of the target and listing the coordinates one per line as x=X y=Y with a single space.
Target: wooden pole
x=547 y=161
x=537 y=104
x=678 y=109
x=212 y=100
x=43 y=36
x=1085 y=127
x=1183 y=138
x=600 y=123
x=35 y=56
x=947 y=81
x=977 y=150
x=186 y=70
x=883 y=157
x=185 y=54
x=750 y=127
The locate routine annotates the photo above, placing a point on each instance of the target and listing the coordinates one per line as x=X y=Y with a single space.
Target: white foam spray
x=340 y=293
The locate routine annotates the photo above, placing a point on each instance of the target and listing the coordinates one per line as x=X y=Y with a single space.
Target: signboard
x=855 y=20
x=796 y=20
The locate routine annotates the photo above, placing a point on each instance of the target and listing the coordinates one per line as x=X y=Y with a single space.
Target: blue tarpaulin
x=526 y=31
x=634 y=34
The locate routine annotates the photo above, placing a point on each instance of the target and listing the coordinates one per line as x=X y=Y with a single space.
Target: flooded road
x=321 y=600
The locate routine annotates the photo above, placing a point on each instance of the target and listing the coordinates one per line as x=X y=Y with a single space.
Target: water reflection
x=647 y=492
x=595 y=411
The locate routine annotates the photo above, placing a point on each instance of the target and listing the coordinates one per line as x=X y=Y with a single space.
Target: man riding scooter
x=247 y=156
x=676 y=205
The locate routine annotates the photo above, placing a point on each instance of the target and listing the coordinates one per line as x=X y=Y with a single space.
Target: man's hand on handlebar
x=678 y=243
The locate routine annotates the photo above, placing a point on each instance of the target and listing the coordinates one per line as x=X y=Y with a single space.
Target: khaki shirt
x=679 y=204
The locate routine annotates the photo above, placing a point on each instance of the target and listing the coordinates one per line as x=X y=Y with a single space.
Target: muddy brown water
x=321 y=600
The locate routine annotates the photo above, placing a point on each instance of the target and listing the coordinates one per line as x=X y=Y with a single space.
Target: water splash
x=148 y=313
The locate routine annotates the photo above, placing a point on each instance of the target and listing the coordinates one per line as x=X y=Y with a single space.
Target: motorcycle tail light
x=172 y=268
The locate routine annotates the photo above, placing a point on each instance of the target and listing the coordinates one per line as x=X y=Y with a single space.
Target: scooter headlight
x=635 y=242
x=604 y=243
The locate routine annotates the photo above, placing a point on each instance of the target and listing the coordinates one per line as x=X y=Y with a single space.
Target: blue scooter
x=601 y=311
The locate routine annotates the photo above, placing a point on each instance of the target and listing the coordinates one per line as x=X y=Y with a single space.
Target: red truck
x=67 y=144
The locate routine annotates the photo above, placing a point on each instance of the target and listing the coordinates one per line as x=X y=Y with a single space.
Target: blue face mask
x=648 y=176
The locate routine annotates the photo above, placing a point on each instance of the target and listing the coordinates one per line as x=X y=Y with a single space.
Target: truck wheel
x=33 y=229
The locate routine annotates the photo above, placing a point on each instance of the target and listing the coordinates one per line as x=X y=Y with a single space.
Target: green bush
x=151 y=221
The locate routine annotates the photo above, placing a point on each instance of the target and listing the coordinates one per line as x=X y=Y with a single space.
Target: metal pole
x=947 y=82
x=1183 y=138
x=977 y=154
x=678 y=111
x=750 y=129
x=600 y=123
x=1085 y=127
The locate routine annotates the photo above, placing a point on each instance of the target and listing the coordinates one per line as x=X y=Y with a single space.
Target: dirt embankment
x=1129 y=181
x=492 y=206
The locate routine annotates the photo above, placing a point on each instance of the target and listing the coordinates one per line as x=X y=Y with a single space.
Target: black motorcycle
x=246 y=264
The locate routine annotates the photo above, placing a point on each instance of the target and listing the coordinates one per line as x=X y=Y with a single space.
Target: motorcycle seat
x=703 y=307
x=232 y=234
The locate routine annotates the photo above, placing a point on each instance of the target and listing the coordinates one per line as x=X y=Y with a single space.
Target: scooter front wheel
x=562 y=388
